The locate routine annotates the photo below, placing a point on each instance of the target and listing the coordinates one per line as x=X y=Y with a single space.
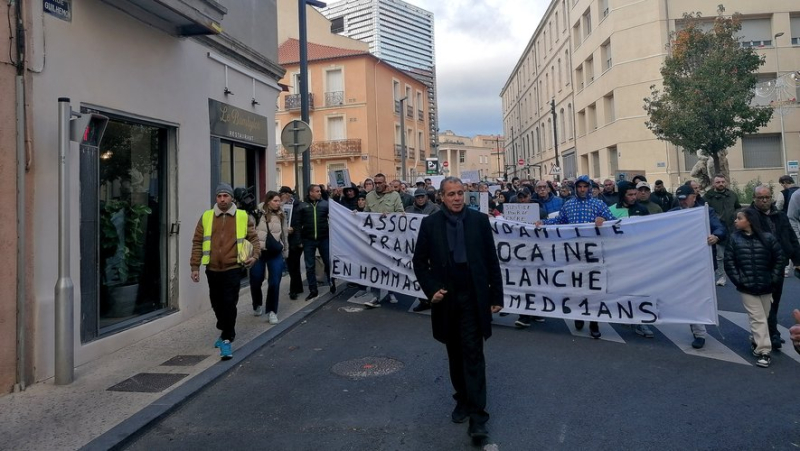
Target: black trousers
x=772 y=318
x=293 y=264
x=465 y=356
x=223 y=288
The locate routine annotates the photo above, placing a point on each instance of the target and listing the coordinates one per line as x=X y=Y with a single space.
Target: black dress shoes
x=459 y=414
x=311 y=295
x=477 y=431
x=292 y=296
x=421 y=307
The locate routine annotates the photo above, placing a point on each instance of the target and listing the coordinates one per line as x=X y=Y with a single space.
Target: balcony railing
x=421 y=154
x=396 y=107
x=334 y=98
x=292 y=102
x=326 y=149
x=420 y=115
x=757 y=44
x=398 y=151
x=410 y=111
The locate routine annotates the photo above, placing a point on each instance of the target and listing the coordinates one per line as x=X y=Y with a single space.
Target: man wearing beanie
x=218 y=243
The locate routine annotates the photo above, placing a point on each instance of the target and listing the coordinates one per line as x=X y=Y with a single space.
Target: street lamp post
x=778 y=88
x=555 y=136
x=304 y=88
x=403 y=137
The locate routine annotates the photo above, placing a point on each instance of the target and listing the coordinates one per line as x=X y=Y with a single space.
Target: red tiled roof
x=289 y=52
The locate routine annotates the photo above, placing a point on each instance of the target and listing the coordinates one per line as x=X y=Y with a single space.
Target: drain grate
x=367 y=367
x=148 y=382
x=185 y=360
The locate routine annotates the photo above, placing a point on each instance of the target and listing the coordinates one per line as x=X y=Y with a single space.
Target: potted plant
x=123 y=225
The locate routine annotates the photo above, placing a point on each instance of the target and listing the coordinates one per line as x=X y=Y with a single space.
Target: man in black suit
x=464 y=285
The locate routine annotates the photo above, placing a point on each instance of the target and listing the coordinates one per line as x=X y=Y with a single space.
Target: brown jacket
x=223 y=241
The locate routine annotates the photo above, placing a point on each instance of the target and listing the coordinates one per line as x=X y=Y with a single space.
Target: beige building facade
x=612 y=51
x=355 y=115
x=483 y=153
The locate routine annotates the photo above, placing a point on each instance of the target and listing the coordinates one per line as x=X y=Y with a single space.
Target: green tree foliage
x=709 y=82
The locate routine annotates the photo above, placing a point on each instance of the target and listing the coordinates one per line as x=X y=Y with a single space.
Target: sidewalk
x=50 y=417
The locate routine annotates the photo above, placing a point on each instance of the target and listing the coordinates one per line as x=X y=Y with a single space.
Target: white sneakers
x=721 y=281
x=258 y=311
x=272 y=318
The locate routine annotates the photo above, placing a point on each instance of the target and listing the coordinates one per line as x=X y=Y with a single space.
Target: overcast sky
x=478 y=43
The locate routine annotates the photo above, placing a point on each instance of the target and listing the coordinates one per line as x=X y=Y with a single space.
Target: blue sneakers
x=225 y=351
x=218 y=342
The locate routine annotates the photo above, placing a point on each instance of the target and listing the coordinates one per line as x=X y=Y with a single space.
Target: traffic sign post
x=555 y=170
x=297 y=135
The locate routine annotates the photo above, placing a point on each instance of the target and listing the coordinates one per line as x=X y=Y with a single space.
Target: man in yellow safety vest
x=219 y=244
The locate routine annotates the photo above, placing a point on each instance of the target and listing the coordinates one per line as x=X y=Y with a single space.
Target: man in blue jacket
x=687 y=198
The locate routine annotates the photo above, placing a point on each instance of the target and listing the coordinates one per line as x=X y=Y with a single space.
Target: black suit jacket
x=432 y=265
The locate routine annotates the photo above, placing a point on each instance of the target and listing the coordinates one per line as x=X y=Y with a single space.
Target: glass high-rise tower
x=398 y=33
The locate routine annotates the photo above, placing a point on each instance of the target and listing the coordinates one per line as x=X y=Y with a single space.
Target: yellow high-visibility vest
x=208 y=221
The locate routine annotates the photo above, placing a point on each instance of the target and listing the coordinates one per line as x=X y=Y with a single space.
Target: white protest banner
x=436 y=180
x=527 y=213
x=373 y=249
x=650 y=269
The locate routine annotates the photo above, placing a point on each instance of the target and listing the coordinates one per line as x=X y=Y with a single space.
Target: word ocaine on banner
x=653 y=269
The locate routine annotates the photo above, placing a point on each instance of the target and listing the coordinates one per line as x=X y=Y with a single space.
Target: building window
x=608 y=108
x=587 y=23
x=591 y=117
x=123 y=211
x=571 y=127
x=689 y=160
x=462 y=156
x=337 y=25
x=335 y=128
x=595 y=157
x=762 y=151
x=562 y=126
x=605 y=55
x=795 y=26
x=755 y=33
x=334 y=87
x=603 y=9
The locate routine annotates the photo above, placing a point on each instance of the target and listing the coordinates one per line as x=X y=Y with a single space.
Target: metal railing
x=325 y=149
x=396 y=107
x=420 y=115
x=292 y=102
x=410 y=111
x=334 y=98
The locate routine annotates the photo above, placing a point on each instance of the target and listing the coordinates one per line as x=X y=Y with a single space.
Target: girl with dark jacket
x=754 y=264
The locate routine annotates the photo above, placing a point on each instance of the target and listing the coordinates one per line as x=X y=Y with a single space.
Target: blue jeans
x=309 y=253
x=256 y=280
x=275 y=270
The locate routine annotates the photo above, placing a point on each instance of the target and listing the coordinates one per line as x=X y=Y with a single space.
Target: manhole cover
x=148 y=382
x=367 y=367
x=185 y=360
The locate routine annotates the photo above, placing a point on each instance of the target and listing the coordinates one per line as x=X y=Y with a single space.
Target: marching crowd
x=754 y=245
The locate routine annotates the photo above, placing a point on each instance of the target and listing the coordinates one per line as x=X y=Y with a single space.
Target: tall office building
x=398 y=33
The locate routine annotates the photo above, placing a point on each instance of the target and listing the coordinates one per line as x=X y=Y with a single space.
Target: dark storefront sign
x=59 y=8
x=230 y=122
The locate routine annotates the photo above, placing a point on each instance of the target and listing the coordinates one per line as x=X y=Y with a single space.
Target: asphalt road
x=548 y=389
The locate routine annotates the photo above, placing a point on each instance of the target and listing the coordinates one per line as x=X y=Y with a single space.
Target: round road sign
x=445 y=164
x=521 y=162
x=296 y=135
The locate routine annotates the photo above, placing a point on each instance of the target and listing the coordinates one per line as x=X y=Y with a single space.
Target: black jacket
x=753 y=267
x=777 y=223
x=433 y=264
x=609 y=199
x=664 y=199
x=312 y=218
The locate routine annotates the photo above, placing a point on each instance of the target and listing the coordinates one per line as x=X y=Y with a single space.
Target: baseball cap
x=525 y=192
x=583 y=179
x=420 y=192
x=642 y=185
x=683 y=192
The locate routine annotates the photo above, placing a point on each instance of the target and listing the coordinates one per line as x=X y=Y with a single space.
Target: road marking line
x=681 y=336
x=741 y=320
